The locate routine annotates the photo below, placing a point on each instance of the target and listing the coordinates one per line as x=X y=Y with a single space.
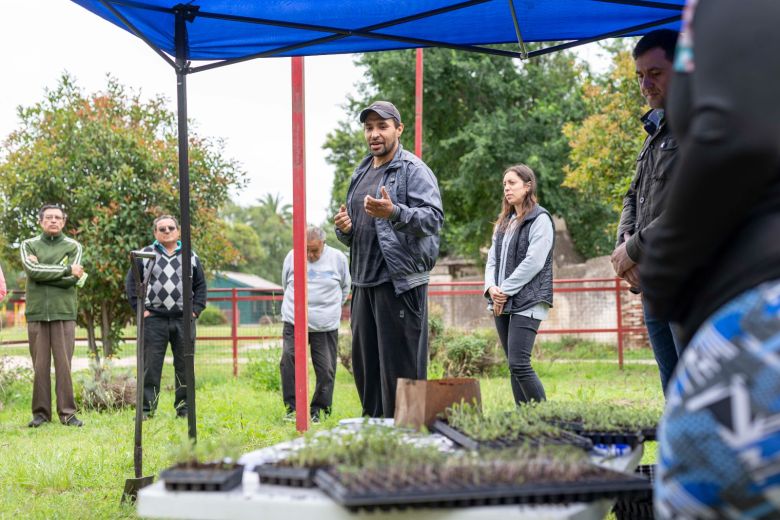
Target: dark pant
x=666 y=347
x=52 y=339
x=517 y=335
x=323 y=347
x=158 y=332
x=389 y=340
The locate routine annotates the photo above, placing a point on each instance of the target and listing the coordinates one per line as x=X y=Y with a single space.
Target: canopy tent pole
x=182 y=14
x=418 y=104
x=523 y=50
x=300 y=266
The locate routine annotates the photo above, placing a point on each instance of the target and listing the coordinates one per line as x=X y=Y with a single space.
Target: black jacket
x=720 y=232
x=644 y=200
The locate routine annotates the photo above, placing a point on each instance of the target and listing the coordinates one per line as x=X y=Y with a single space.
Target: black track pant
x=158 y=332
x=389 y=340
x=324 y=350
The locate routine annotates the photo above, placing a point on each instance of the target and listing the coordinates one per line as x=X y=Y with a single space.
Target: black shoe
x=37 y=420
x=315 y=417
x=74 y=421
x=181 y=413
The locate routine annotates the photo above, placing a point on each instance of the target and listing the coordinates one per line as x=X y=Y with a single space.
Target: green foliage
x=212 y=315
x=482 y=114
x=596 y=416
x=110 y=158
x=465 y=354
x=263 y=234
x=190 y=453
x=11 y=375
x=263 y=370
x=371 y=445
x=498 y=425
x=345 y=351
x=603 y=154
x=105 y=388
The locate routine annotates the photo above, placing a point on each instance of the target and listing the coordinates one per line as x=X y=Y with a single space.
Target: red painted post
x=619 y=306
x=234 y=328
x=418 y=105
x=299 y=246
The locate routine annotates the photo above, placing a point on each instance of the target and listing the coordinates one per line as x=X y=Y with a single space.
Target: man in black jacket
x=163 y=317
x=644 y=201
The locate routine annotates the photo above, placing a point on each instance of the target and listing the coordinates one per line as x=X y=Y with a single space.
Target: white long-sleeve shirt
x=328 y=283
x=540 y=241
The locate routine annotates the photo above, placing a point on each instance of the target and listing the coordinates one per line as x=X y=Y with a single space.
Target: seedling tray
x=631 y=438
x=460 y=438
x=374 y=494
x=639 y=507
x=650 y=434
x=286 y=476
x=203 y=478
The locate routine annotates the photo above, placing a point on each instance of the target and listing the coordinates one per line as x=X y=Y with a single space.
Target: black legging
x=517 y=334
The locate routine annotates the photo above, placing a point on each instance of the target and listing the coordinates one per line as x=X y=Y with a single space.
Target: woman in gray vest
x=518 y=277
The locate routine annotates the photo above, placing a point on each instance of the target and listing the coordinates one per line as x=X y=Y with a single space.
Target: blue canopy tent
x=221 y=32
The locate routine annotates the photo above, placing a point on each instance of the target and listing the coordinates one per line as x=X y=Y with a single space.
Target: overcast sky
x=248 y=104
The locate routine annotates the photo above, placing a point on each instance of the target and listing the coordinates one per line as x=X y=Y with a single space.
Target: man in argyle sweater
x=163 y=311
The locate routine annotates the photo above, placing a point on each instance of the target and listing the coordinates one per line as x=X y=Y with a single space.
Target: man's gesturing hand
x=379 y=208
x=342 y=220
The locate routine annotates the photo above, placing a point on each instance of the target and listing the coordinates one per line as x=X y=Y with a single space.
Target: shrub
x=263 y=370
x=105 y=388
x=10 y=375
x=435 y=321
x=345 y=351
x=468 y=354
x=212 y=315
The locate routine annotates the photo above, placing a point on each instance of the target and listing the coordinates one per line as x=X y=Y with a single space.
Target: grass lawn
x=58 y=472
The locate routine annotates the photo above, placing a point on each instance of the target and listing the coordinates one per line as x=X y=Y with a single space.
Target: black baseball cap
x=385 y=109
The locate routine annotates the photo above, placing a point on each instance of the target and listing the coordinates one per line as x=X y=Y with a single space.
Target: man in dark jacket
x=644 y=201
x=163 y=317
x=391 y=223
x=52 y=262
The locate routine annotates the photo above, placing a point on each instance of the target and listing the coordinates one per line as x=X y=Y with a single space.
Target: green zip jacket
x=51 y=288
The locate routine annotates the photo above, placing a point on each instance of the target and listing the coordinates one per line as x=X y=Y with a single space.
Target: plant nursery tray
x=460 y=438
x=639 y=507
x=286 y=475
x=631 y=438
x=374 y=494
x=202 y=478
x=650 y=434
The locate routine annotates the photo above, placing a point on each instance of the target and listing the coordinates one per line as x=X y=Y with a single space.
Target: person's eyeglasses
x=166 y=229
x=52 y=217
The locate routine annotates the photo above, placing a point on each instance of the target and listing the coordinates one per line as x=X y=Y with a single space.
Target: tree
x=482 y=114
x=603 y=154
x=111 y=160
x=271 y=223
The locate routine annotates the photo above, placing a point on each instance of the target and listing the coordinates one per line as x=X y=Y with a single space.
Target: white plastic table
x=253 y=500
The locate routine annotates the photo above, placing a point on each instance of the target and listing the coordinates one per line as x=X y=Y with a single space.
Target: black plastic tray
x=424 y=496
x=631 y=438
x=460 y=438
x=202 y=479
x=639 y=507
x=286 y=476
x=650 y=434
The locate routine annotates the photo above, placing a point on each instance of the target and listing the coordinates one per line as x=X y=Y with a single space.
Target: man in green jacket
x=52 y=262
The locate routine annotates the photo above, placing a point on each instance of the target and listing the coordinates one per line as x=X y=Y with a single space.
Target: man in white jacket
x=328 y=287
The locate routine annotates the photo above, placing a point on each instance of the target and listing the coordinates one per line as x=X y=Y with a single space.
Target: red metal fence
x=599 y=308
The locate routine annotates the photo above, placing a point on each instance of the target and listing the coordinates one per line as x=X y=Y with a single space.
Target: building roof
x=250 y=280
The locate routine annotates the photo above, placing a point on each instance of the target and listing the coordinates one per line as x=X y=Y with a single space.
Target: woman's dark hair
x=528 y=177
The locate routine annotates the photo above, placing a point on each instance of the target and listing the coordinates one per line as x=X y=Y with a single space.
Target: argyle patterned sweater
x=165 y=294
